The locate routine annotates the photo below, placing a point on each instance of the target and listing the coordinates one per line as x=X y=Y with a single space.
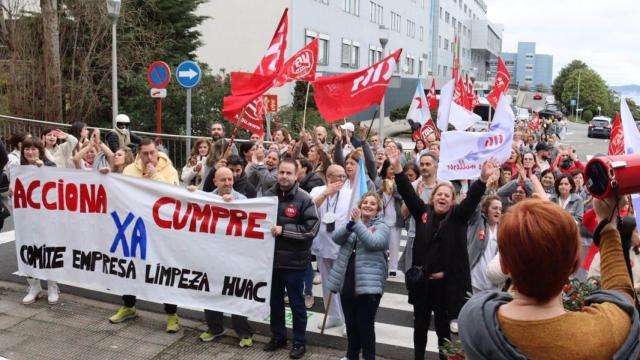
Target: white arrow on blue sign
x=188 y=74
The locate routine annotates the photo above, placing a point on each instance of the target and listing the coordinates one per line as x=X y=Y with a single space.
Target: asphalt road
x=584 y=146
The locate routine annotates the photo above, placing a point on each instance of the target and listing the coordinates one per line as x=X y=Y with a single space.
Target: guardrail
x=176 y=145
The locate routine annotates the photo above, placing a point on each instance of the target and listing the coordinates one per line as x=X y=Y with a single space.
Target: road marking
x=7 y=237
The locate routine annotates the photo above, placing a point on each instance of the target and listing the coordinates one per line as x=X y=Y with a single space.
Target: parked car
x=599 y=126
x=551 y=110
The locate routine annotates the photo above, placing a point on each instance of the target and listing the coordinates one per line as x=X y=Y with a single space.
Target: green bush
x=399 y=113
x=587 y=115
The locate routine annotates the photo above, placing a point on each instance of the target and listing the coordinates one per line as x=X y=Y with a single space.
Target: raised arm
x=369 y=159
x=411 y=199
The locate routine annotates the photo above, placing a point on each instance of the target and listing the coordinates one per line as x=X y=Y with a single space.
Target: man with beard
x=217 y=134
x=320 y=134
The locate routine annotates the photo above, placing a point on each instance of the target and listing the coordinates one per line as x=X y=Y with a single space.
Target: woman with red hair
x=539 y=246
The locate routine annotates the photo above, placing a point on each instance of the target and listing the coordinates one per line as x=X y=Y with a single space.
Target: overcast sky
x=604 y=34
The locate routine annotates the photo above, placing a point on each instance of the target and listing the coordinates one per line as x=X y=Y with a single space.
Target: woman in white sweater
x=60 y=153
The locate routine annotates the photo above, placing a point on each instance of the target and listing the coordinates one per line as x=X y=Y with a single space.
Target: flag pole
x=371 y=124
x=326 y=313
x=227 y=152
x=306 y=100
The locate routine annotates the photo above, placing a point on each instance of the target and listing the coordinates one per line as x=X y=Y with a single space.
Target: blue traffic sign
x=188 y=74
x=158 y=74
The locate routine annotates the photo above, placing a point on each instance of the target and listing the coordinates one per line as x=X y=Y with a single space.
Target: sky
x=603 y=34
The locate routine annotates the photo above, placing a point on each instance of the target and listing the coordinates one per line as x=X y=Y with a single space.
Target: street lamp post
x=384 y=39
x=578 y=97
x=113 y=9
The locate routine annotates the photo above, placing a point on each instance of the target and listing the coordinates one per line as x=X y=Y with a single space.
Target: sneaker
x=172 y=324
x=297 y=351
x=53 y=292
x=209 y=336
x=317 y=279
x=453 y=326
x=35 y=290
x=331 y=323
x=308 y=301
x=286 y=299
x=246 y=342
x=344 y=331
x=123 y=314
x=274 y=345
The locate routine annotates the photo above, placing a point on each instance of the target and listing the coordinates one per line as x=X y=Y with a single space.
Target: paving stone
x=7 y=321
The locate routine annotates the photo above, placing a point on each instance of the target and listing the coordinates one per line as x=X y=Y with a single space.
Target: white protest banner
x=462 y=153
x=128 y=235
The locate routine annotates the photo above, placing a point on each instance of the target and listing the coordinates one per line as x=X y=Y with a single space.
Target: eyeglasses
x=334 y=176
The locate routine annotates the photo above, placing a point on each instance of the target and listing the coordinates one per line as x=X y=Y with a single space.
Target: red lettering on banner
x=83 y=198
x=462 y=165
x=241 y=223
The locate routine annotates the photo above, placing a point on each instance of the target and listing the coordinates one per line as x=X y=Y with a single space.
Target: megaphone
x=609 y=175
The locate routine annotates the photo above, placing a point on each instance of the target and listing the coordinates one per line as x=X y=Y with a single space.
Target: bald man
x=320 y=134
x=332 y=198
x=224 y=188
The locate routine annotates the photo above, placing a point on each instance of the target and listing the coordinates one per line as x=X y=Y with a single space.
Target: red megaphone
x=608 y=175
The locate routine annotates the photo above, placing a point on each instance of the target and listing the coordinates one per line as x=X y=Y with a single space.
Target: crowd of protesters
x=464 y=236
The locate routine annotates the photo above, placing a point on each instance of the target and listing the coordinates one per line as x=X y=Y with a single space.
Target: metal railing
x=176 y=145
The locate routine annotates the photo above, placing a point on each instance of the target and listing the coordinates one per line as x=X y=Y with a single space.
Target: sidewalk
x=77 y=328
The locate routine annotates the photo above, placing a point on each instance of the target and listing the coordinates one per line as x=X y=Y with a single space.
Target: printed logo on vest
x=291 y=211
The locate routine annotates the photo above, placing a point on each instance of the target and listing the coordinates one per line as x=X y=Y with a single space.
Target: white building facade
x=237 y=33
x=480 y=40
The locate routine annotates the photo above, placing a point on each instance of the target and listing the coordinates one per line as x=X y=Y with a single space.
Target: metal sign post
x=188 y=75
x=159 y=76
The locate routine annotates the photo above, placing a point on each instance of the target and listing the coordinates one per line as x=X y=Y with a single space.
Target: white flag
x=419 y=108
x=464 y=152
x=631 y=143
x=451 y=113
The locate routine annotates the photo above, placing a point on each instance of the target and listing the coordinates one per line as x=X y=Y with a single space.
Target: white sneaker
x=317 y=279
x=331 y=323
x=35 y=290
x=453 y=326
x=344 y=331
x=53 y=292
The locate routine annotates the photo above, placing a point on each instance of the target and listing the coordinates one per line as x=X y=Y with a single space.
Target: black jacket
x=114 y=144
x=241 y=184
x=310 y=181
x=453 y=233
x=298 y=217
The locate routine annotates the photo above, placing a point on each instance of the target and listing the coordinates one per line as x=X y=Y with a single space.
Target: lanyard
x=335 y=204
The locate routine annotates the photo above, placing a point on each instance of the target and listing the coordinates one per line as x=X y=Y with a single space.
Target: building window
x=422 y=3
x=350 y=55
x=421 y=33
x=446 y=17
x=440 y=12
x=396 y=19
x=439 y=42
x=529 y=56
x=439 y=69
x=375 y=13
x=411 y=29
x=459 y=27
x=375 y=54
x=420 y=67
x=411 y=65
x=453 y=22
x=528 y=78
x=445 y=70
x=528 y=67
x=464 y=30
x=323 y=45
x=351 y=6
x=446 y=44
x=326 y=2
x=465 y=9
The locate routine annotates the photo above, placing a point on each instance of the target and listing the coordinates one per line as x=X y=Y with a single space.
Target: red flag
x=427 y=129
x=471 y=95
x=252 y=118
x=460 y=94
x=270 y=65
x=301 y=66
x=501 y=84
x=342 y=95
x=432 y=98
x=616 y=140
x=534 y=124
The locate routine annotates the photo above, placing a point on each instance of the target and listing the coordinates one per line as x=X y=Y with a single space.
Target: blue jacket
x=371 y=242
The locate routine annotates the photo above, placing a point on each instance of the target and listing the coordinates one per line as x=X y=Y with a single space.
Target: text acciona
x=58 y=195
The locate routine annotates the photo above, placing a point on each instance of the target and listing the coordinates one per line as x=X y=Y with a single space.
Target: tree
x=51 y=61
x=593 y=90
x=558 y=83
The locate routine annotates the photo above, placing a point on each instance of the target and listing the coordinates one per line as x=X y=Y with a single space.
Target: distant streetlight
x=113 y=9
x=384 y=40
